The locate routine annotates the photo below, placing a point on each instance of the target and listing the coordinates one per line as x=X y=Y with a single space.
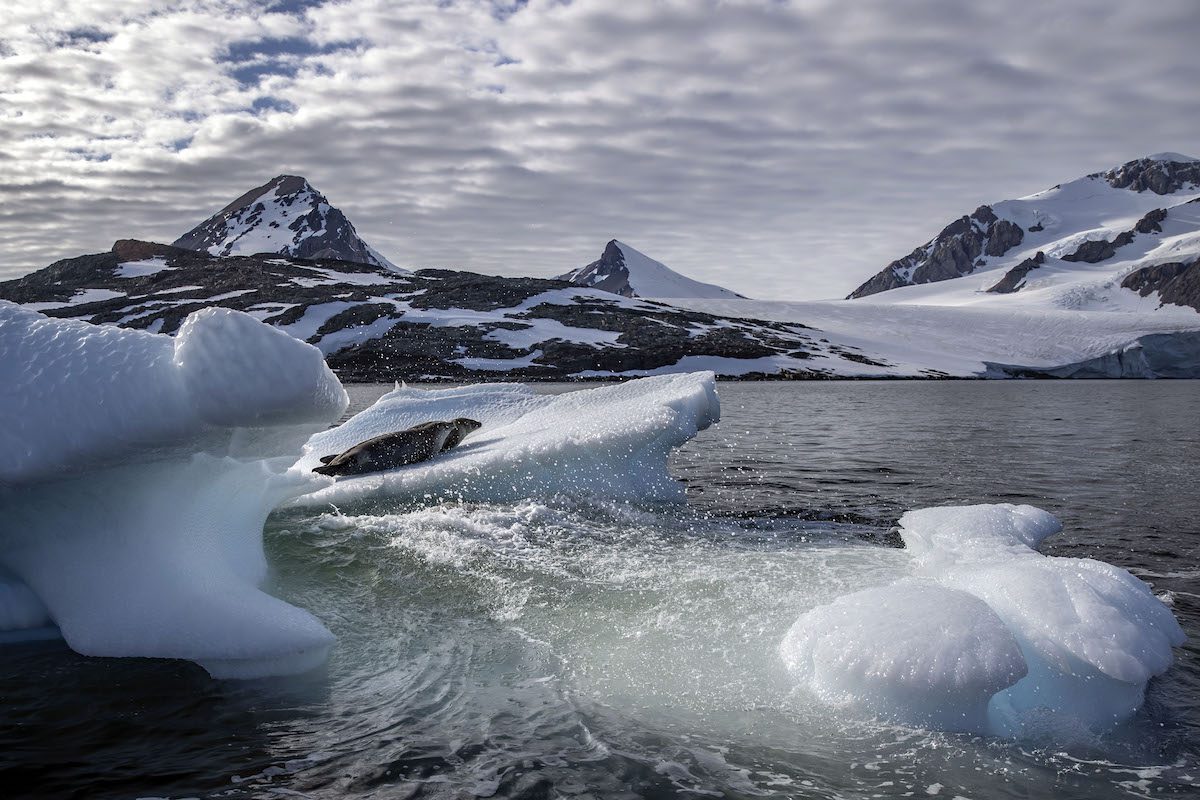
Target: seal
x=418 y=443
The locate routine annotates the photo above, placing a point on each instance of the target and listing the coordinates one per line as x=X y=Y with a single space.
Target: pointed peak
x=623 y=270
x=285 y=215
x=288 y=184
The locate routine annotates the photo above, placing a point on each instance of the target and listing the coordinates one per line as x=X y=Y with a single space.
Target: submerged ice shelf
x=986 y=634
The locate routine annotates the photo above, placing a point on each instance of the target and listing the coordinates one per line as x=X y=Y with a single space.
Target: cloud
x=785 y=150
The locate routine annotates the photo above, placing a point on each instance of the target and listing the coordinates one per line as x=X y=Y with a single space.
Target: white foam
x=611 y=441
x=140 y=471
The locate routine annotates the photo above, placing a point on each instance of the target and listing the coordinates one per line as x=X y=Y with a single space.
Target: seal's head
x=467 y=425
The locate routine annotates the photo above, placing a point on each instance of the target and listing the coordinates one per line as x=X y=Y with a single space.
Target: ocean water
x=564 y=647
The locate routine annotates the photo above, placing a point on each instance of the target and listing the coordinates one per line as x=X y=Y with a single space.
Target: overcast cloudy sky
x=783 y=149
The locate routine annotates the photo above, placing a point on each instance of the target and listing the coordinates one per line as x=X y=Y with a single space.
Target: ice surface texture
x=611 y=441
x=988 y=635
x=139 y=471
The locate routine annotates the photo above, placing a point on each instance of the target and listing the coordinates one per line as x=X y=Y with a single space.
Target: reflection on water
x=573 y=648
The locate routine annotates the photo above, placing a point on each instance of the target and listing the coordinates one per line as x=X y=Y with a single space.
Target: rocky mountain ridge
x=1028 y=288
x=373 y=324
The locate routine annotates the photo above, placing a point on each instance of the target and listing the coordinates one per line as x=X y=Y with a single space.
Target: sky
x=786 y=150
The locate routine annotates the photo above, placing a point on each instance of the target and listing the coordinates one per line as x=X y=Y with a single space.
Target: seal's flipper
x=327 y=459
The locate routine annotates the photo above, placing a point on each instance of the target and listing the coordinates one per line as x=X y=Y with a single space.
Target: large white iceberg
x=987 y=634
x=138 y=472
x=611 y=441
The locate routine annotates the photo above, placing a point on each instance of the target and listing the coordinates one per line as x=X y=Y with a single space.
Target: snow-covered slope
x=285 y=215
x=624 y=271
x=1127 y=239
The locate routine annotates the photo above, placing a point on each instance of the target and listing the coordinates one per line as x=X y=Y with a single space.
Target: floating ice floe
x=988 y=635
x=139 y=470
x=612 y=441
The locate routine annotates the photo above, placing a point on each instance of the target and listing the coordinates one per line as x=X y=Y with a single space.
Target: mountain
x=1124 y=239
x=625 y=271
x=373 y=324
x=285 y=215
x=1021 y=288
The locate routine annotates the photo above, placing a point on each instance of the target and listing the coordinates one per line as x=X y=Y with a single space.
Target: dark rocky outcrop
x=951 y=254
x=1014 y=279
x=1151 y=222
x=1156 y=175
x=1002 y=237
x=1093 y=251
x=607 y=273
x=1177 y=283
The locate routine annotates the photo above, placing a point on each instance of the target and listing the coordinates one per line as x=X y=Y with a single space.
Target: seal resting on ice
x=418 y=443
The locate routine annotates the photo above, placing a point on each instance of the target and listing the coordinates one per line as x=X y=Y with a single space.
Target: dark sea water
x=566 y=647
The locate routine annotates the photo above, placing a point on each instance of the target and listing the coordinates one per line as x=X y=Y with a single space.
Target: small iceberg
x=611 y=441
x=987 y=634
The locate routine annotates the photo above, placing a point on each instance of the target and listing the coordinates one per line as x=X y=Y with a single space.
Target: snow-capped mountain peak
x=285 y=215
x=1123 y=239
x=625 y=271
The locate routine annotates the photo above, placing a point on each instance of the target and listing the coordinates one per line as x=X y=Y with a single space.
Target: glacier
x=986 y=634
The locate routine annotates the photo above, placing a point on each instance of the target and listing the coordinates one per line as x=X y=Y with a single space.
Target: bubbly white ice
x=987 y=634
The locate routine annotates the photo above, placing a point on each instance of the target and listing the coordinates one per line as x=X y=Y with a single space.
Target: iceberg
x=139 y=471
x=987 y=634
x=612 y=441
